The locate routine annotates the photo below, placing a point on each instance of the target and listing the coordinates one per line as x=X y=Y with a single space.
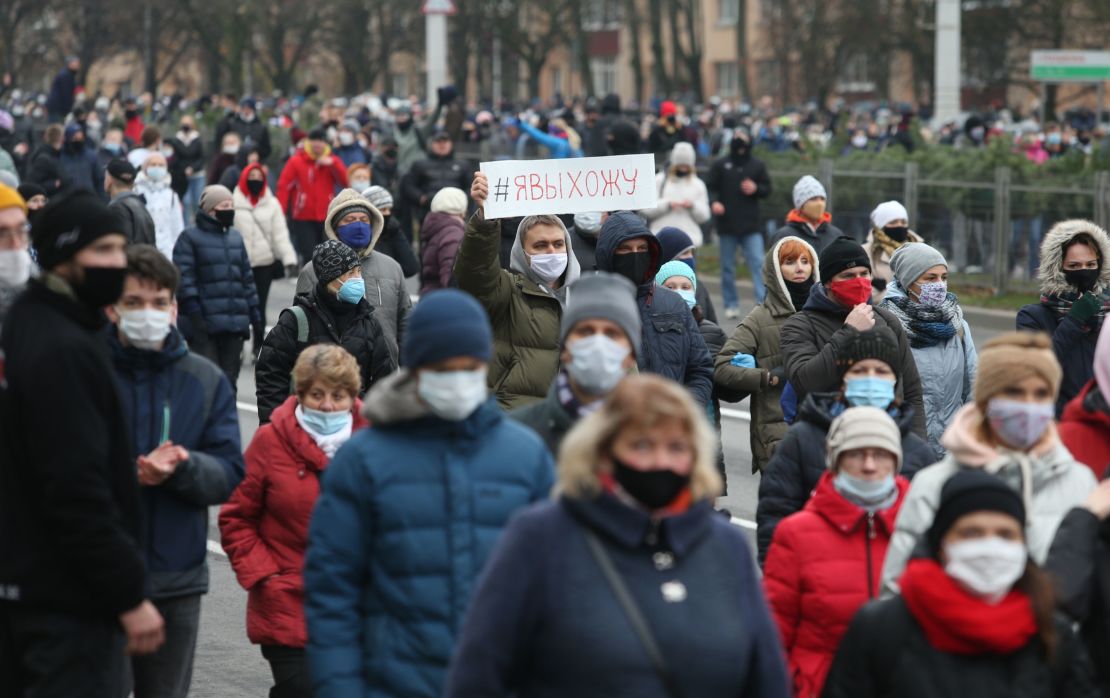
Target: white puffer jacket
x=264 y=230
x=164 y=207
x=688 y=220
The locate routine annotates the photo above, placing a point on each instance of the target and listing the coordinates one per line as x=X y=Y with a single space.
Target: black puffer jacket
x=216 y=279
x=330 y=321
x=137 y=224
x=885 y=653
x=433 y=173
x=741 y=210
x=799 y=461
x=1080 y=562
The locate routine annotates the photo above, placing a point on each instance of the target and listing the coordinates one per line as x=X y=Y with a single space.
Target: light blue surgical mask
x=156 y=174
x=113 y=148
x=872 y=495
x=689 y=296
x=352 y=290
x=325 y=423
x=869 y=391
x=453 y=395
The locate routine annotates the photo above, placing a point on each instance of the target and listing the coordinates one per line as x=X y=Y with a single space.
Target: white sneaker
x=732 y=313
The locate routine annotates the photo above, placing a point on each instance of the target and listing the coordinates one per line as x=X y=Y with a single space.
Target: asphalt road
x=227 y=665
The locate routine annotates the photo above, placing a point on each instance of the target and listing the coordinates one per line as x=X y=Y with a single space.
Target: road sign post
x=435 y=43
x=1092 y=67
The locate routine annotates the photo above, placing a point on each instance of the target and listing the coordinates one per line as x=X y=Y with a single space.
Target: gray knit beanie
x=913 y=259
x=606 y=296
x=379 y=197
x=863 y=427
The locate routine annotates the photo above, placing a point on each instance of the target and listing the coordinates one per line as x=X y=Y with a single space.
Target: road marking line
x=736 y=521
x=247 y=407
x=214 y=547
x=736 y=414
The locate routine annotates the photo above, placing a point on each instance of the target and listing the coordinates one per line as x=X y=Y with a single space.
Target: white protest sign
x=574 y=185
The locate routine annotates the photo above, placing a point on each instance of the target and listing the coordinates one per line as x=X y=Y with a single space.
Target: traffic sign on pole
x=1070 y=66
x=439 y=7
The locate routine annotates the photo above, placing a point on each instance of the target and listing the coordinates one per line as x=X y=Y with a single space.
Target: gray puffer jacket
x=947 y=372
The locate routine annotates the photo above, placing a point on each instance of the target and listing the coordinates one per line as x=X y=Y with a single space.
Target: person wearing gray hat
x=600 y=335
x=940 y=339
x=810 y=219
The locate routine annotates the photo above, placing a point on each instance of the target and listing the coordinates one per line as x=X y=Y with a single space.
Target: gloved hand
x=1085 y=308
x=777 y=375
x=259 y=332
x=292 y=271
x=743 y=360
x=199 y=328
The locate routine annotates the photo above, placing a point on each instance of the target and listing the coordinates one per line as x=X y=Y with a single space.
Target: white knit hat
x=683 y=154
x=888 y=211
x=807 y=188
x=450 y=200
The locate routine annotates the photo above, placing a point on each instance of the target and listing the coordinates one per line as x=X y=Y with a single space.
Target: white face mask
x=360 y=184
x=548 y=267
x=453 y=395
x=15 y=267
x=987 y=566
x=596 y=364
x=146 y=328
x=346 y=138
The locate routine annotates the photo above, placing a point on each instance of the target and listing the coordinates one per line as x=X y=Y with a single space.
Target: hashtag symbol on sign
x=501 y=190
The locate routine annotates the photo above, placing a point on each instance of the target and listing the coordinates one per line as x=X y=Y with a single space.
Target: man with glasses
x=15 y=257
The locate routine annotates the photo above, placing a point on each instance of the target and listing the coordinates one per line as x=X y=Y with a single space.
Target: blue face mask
x=871 y=495
x=355 y=235
x=325 y=423
x=352 y=290
x=692 y=262
x=690 y=297
x=869 y=392
x=114 y=148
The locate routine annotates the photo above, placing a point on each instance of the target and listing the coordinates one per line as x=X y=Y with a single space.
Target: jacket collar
x=630 y=527
x=821 y=409
x=132 y=358
x=57 y=293
x=830 y=505
x=297 y=441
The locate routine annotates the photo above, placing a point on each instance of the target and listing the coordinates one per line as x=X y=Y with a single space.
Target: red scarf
x=958 y=622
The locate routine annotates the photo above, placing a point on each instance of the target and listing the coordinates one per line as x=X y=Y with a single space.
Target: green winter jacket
x=525 y=315
x=758 y=335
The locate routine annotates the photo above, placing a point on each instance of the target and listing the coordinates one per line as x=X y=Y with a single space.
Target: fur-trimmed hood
x=344 y=199
x=1051 y=273
x=778 y=296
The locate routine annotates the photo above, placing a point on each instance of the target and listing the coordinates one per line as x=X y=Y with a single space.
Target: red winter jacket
x=264 y=525
x=1086 y=434
x=823 y=564
x=306 y=187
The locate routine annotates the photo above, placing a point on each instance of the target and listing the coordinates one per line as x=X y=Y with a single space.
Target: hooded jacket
x=385 y=282
x=182 y=397
x=305 y=187
x=672 y=343
x=1073 y=343
x=81 y=167
x=758 y=335
x=410 y=511
x=524 y=313
x=433 y=173
x=819 y=238
x=544 y=622
x=1048 y=478
x=216 y=279
x=264 y=525
x=261 y=222
x=741 y=211
x=440 y=237
x=947 y=371
x=823 y=566
x=356 y=330
x=801 y=459
x=164 y=207
x=812 y=339
x=1085 y=429
x=394 y=244
x=135 y=221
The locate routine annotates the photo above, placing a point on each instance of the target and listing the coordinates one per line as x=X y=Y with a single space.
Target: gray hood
x=394 y=399
x=519 y=263
x=1051 y=273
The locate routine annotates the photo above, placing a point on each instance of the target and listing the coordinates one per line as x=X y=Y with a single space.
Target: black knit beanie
x=331 y=260
x=69 y=223
x=842 y=253
x=968 y=491
x=877 y=343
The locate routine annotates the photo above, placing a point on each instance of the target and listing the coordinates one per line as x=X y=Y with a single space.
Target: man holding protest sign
x=525 y=303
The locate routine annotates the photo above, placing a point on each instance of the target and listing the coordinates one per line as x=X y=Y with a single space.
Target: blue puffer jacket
x=409 y=512
x=175 y=395
x=216 y=279
x=672 y=343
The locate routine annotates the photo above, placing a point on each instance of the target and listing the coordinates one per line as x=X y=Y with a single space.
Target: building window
x=398 y=84
x=604 y=73
x=557 y=80
x=728 y=11
x=855 y=76
x=728 y=79
x=601 y=15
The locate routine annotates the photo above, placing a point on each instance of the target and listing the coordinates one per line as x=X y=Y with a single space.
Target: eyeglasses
x=17 y=233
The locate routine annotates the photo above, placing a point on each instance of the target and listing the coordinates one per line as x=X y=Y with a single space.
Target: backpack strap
x=302 y=323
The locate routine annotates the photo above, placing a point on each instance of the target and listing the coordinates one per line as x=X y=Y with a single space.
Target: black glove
x=779 y=373
x=1085 y=308
x=292 y=271
x=199 y=328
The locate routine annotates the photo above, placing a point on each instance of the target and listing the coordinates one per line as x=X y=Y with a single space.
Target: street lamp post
x=946 y=65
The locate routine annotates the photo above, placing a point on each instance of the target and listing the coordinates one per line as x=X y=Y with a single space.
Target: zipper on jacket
x=867 y=542
x=165 y=422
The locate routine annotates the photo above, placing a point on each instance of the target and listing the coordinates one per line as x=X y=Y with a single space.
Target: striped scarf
x=927 y=325
x=1060 y=303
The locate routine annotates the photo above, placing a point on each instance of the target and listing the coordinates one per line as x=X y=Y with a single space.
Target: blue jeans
x=192 y=197
x=752 y=244
x=1035 y=227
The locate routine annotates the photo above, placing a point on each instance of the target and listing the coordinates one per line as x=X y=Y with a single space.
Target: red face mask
x=851 y=292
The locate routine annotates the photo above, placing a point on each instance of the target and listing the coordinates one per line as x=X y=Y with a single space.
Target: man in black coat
x=440 y=169
x=73 y=585
x=737 y=183
x=60 y=101
x=250 y=128
x=134 y=220
x=45 y=166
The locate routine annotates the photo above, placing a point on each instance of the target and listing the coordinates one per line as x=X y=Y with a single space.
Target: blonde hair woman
x=628 y=583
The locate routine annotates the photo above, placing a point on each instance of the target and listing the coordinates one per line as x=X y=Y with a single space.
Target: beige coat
x=263 y=229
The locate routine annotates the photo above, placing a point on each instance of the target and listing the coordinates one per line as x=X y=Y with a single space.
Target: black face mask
x=255 y=186
x=633 y=266
x=654 y=489
x=76 y=146
x=102 y=286
x=682 y=172
x=898 y=233
x=225 y=217
x=739 y=148
x=1082 y=279
x=799 y=291
x=130 y=114
x=389 y=153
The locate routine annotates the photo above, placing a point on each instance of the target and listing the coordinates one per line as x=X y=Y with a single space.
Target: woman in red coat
x=1085 y=426
x=824 y=561
x=309 y=180
x=264 y=525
